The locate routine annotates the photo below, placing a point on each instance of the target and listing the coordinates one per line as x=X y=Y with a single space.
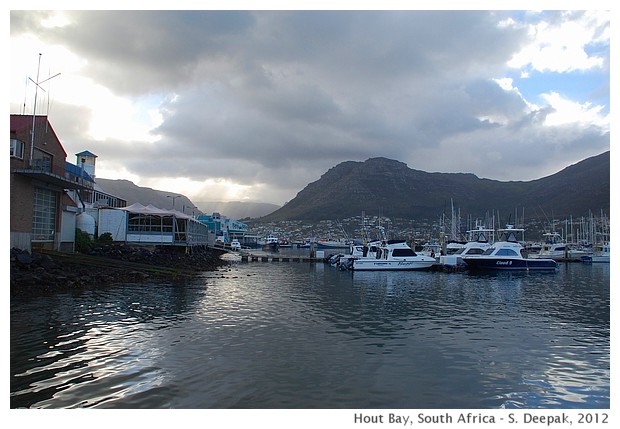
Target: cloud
x=561 y=43
x=265 y=102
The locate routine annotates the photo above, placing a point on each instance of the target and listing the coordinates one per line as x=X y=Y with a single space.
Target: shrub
x=105 y=238
x=83 y=241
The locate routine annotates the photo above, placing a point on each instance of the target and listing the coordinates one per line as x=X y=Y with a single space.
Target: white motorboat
x=556 y=248
x=506 y=254
x=235 y=245
x=480 y=240
x=393 y=255
x=356 y=251
x=601 y=254
x=271 y=243
x=432 y=249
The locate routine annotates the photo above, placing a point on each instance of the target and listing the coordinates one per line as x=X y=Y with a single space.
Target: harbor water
x=308 y=336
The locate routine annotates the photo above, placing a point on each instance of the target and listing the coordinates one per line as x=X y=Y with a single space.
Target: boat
x=393 y=255
x=220 y=241
x=480 y=240
x=432 y=249
x=453 y=247
x=356 y=251
x=556 y=248
x=507 y=254
x=332 y=244
x=600 y=254
x=271 y=243
x=235 y=245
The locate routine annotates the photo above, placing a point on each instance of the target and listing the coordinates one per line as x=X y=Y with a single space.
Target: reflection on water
x=296 y=335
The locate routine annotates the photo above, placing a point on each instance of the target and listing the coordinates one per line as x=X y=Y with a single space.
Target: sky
x=238 y=105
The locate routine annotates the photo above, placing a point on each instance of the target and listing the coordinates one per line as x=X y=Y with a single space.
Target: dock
x=276 y=258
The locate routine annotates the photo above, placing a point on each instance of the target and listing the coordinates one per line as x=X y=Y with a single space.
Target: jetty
x=248 y=257
x=257 y=255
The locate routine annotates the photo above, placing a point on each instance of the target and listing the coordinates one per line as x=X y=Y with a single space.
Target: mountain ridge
x=399 y=191
x=133 y=193
x=389 y=187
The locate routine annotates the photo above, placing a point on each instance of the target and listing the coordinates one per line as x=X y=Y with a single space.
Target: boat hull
x=322 y=246
x=597 y=259
x=382 y=265
x=510 y=264
x=271 y=247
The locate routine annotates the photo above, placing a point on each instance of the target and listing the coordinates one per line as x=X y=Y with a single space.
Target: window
x=403 y=252
x=506 y=252
x=17 y=149
x=44 y=215
x=138 y=222
x=42 y=160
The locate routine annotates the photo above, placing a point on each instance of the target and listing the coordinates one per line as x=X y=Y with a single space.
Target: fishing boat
x=480 y=240
x=271 y=243
x=507 y=254
x=393 y=255
x=554 y=247
x=601 y=254
x=356 y=251
x=432 y=249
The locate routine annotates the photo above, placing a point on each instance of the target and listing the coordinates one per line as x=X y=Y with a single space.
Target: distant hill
x=133 y=193
x=391 y=188
x=237 y=209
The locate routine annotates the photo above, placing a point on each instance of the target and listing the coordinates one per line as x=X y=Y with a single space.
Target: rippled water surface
x=296 y=335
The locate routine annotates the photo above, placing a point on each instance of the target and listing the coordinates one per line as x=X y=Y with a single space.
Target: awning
x=52 y=179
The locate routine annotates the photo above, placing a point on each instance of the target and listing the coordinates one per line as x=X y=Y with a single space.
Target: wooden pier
x=246 y=257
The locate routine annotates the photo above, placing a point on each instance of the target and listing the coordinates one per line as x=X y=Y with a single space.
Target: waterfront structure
x=150 y=225
x=48 y=195
x=224 y=229
x=42 y=213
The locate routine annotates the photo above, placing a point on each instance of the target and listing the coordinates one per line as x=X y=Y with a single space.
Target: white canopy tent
x=154 y=225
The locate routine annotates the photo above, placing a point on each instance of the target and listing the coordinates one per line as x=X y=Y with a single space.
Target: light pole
x=174 y=197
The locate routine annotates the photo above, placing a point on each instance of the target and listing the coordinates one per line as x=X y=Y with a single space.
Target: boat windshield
x=489 y=251
x=403 y=252
x=475 y=251
x=507 y=252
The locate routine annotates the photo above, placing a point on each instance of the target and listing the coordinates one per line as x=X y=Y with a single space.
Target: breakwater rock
x=47 y=271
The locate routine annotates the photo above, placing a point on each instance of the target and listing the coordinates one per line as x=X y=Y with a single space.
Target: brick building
x=42 y=214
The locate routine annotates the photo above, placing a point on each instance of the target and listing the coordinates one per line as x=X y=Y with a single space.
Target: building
x=48 y=195
x=42 y=214
x=223 y=228
x=150 y=225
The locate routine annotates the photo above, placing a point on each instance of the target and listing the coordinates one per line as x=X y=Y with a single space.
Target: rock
x=45 y=273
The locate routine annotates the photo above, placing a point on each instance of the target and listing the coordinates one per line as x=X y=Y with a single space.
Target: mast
x=34 y=112
x=37 y=85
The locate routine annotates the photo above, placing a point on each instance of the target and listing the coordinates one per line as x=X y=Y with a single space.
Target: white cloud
x=566 y=111
x=561 y=46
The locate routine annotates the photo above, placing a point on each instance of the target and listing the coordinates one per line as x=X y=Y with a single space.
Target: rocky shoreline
x=48 y=272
